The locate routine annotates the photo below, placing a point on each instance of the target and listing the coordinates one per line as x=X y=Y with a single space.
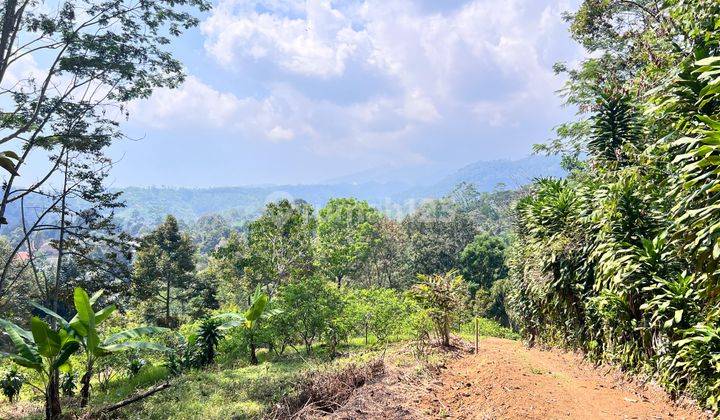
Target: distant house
x=22 y=256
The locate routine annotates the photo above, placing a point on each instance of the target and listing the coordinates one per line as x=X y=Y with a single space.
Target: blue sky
x=286 y=91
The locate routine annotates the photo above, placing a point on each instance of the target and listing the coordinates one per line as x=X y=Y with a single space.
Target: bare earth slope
x=507 y=380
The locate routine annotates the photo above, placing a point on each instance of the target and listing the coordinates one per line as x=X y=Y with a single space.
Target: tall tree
x=347 y=231
x=483 y=261
x=280 y=243
x=437 y=233
x=88 y=59
x=164 y=269
x=386 y=264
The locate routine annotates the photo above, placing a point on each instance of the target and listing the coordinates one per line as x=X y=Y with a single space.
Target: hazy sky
x=289 y=91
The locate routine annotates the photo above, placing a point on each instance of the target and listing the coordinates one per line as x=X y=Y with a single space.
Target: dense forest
x=104 y=310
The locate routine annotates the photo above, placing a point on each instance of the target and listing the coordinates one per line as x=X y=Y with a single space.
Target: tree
x=96 y=57
x=621 y=258
x=437 y=233
x=76 y=220
x=378 y=311
x=386 y=263
x=280 y=243
x=249 y=320
x=308 y=306
x=209 y=231
x=227 y=264
x=90 y=59
x=347 y=231
x=443 y=296
x=483 y=261
x=163 y=268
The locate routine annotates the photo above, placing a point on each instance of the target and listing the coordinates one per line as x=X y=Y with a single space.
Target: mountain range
x=387 y=189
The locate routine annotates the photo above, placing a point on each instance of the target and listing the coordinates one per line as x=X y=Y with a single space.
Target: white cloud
x=279 y=133
x=487 y=63
x=319 y=44
x=195 y=102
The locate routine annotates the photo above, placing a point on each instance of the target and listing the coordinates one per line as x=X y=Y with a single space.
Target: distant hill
x=489 y=175
x=391 y=191
x=376 y=187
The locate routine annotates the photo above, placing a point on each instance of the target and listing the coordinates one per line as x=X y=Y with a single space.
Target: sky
x=289 y=91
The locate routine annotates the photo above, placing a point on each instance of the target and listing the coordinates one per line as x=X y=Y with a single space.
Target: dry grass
x=322 y=393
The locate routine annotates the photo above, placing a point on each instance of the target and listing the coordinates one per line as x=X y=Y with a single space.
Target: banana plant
x=46 y=351
x=258 y=310
x=84 y=327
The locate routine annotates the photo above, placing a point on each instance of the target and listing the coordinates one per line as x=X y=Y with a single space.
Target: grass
x=244 y=392
x=232 y=389
x=488 y=328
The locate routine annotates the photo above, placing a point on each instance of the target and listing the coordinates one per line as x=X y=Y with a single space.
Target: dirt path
x=507 y=380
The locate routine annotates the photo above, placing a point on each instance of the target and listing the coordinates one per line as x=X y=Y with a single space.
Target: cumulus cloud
x=484 y=63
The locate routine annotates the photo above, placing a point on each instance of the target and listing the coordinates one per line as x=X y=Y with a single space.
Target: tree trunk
x=53 y=411
x=8 y=27
x=253 y=355
x=85 y=382
x=446 y=332
x=167 y=303
x=61 y=238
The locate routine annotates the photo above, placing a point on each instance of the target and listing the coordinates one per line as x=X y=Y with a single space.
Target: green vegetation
x=621 y=258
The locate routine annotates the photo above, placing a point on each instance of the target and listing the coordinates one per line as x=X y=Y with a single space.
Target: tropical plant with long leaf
x=249 y=320
x=45 y=350
x=83 y=327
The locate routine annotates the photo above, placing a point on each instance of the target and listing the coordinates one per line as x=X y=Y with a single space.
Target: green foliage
x=250 y=321
x=487 y=328
x=208 y=337
x=68 y=383
x=482 y=262
x=11 y=383
x=437 y=233
x=310 y=308
x=280 y=244
x=493 y=303
x=621 y=258
x=615 y=127
x=164 y=266
x=347 y=230
x=84 y=328
x=377 y=311
x=443 y=296
x=135 y=364
x=45 y=350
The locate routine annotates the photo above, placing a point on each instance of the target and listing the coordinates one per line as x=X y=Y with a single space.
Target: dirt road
x=506 y=380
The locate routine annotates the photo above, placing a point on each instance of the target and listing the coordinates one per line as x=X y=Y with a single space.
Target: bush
x=11 y=383
x=492 y=303
x=68 y=383
x=310 y=307
x=377 y=311
x=443 y=296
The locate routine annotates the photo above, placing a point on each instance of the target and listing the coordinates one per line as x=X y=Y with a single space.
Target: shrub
x=134 y=364
x=309 y=307
x=492 y=303
x=377 y=311
x=443 y=296
x=68 y=383
x=12 y=383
